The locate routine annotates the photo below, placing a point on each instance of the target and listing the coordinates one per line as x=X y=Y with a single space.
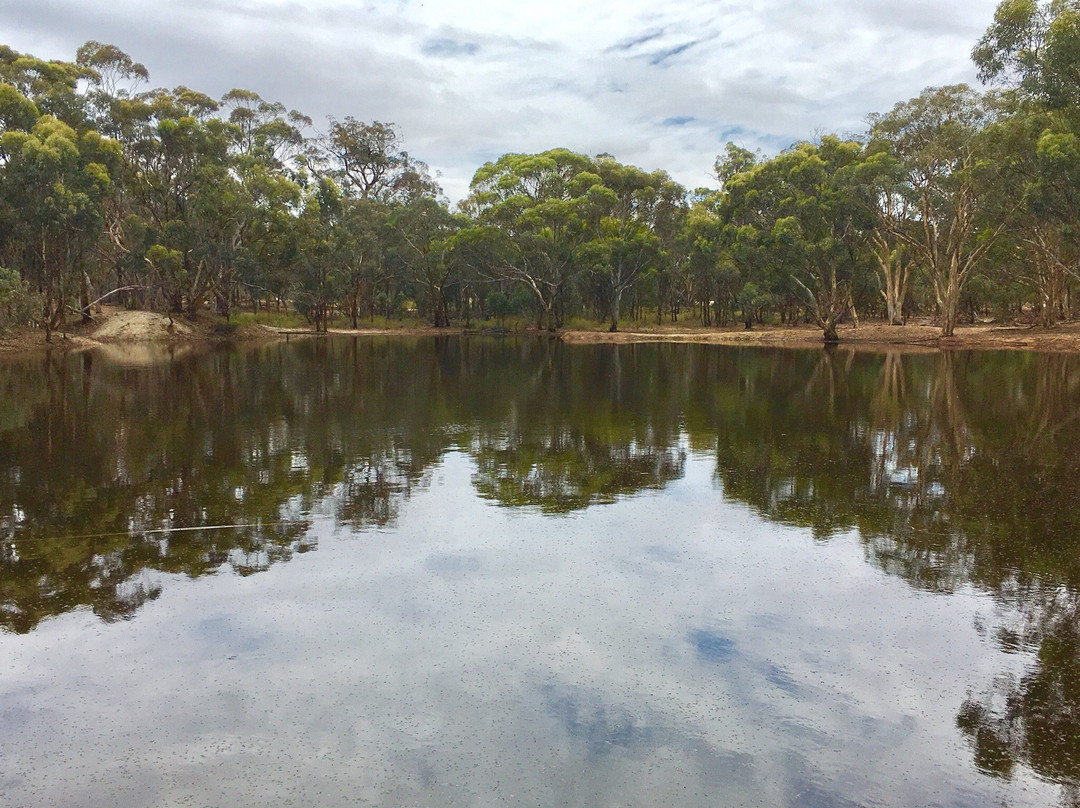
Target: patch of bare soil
x=21 y=340
x=868 y=335
x=399 y=331
x=118 y=325
x=142 y=326
x=123 y=329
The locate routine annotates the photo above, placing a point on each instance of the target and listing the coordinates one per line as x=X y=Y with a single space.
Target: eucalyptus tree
x=1053 y=206
x=1034 y=48
x=320 y=276
x=734 y=160
x=112 y=102
x=879 y=186
x=632 y=213
x=54 y=184
x=266 y=131
x=54 y=86
x=368 y=161
x=1041 y=169
x=419 y=243
x=18 y=301
x=677 y=277
x=1034 y=45
x=798 y=214
x=531 y=212
x=361 y=242
x=741 y=254
x=114 y=78
x=255 y=181
x=270 y=249
x=56 y=171
x=706 y=273
x=940 y=140
x=177 y=154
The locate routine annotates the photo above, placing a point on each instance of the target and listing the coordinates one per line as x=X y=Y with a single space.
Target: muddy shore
x=119 y=327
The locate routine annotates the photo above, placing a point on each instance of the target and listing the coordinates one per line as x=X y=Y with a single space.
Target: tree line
x=958 y=204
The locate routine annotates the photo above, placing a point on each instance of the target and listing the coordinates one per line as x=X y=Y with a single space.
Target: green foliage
x=19 y=304
x=186 y=201
x=1034 y=45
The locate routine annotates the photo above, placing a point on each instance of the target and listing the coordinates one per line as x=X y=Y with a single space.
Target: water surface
x=470 y=572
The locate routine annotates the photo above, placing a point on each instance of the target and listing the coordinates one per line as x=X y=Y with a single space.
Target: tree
x=18 y=302
x=879 y=178
x=531 y=211
x=419 y=239
x=361 y=246
x=1034 y=45
x=939 y=139
x=178 y=155
x=54 y=182
x=320 y=275
x=1034 y=48
x=627 y=214
x=367 y=161
x=734 y=160
x=798 y=213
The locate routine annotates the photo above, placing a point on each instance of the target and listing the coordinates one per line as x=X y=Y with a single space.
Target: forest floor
x=119 y=329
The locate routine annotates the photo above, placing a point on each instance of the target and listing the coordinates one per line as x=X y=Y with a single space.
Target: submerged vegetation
x=956 y=204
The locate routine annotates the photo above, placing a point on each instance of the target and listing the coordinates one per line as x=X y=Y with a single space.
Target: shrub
x=19 y=304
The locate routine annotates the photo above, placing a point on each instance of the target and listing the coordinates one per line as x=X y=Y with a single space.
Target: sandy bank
x=125 y=329
x=869 y=336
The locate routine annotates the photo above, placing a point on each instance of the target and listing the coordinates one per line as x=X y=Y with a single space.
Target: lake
x=473 y=572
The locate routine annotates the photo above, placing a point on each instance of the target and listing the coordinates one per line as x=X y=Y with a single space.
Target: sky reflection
x=673 y=648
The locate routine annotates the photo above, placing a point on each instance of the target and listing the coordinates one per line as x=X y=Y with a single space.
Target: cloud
x=449 y=48
x=634 y=41
x=463 y=78
x=661 y=56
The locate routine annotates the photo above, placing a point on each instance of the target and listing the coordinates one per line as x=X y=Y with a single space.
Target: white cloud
x=468 y=81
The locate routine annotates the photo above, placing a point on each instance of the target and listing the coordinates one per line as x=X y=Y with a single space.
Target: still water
x=488 y=573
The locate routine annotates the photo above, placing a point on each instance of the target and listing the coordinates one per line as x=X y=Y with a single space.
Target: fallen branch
x=113 y=292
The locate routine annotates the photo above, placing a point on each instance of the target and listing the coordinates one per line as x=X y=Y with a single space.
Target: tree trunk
x=616 y=301
x=84 y=299
x=950 y=307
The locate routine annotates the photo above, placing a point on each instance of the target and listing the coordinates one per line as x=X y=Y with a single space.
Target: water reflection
x=957 y=472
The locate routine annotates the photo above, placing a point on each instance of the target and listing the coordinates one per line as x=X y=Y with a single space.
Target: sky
x=657 y=85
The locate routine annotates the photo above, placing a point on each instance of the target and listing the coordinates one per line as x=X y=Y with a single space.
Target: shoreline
x=120 y=330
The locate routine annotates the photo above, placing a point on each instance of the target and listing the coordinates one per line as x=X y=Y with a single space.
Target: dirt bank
x=868 y=335
x=124 y=329
x=115 y=326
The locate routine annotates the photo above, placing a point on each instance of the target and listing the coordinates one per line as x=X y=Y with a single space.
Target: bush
x=19 y=304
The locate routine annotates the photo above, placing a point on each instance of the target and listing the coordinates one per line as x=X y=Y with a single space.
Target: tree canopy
x=955 y=205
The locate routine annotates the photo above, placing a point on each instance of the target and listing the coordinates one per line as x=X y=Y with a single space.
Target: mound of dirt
x=141 y=326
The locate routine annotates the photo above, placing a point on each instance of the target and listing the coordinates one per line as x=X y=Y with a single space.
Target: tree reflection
x=1035 y=718
x=568 y=470
x=955 y=470
x=107 y=470
x=588 y=427
x=109 y=474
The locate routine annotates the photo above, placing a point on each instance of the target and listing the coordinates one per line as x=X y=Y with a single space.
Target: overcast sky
x=659 y=85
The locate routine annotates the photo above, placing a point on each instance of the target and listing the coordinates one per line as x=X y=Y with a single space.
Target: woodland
x=961 y=204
